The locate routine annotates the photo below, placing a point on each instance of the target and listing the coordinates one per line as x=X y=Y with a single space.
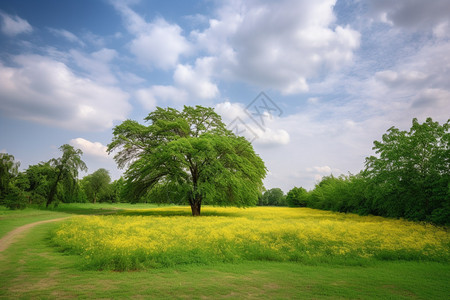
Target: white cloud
x=416 y=86
x=43 y=90
x=67 y=35
x=322 y=170
x=190 y=84
x=96 y=64
x=160 y=45
x=271 y=137
x=230 y=110
x=90 y=148
x=157 y=44
x=14 y=25
x=277 y=44
x=238 y=121
x=196 y=81
x=149 y=97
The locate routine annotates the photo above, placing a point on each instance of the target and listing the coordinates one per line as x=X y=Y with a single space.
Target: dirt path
x=9 y=238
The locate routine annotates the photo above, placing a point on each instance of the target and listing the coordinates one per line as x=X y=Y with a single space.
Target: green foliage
x=97 y=185
x=297 y=197
x=273 y=197
x=66 y=169
x=343 y=194
x=409 y=178
x=9 y=169
x=16 y=198
x=39 y=178
x=187 y=157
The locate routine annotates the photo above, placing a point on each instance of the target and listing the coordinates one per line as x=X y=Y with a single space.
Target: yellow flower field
x=169 y=236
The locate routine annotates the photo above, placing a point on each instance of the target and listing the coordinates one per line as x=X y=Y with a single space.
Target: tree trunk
x=195 y=207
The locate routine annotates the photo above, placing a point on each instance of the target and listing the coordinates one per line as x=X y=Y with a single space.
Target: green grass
x=13 y=219
x=10 y=219
x=32 y=268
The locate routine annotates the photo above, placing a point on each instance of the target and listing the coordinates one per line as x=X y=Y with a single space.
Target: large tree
x=187 y=156
x=66 y=168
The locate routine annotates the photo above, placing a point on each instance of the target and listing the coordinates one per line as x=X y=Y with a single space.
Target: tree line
x=49 y=183
x=190 y=157
x=408 y=178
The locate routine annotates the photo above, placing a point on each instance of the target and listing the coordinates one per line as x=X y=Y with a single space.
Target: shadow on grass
x=129 y=210
x=85 y=210
x=176 y=212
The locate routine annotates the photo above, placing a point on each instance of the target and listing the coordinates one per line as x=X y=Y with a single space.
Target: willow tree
x=187 y=157
x=66 y=168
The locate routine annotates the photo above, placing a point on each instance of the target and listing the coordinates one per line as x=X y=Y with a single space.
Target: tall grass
x=169 y=236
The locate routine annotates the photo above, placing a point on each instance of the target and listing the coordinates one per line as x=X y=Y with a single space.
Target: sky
x=310 y=83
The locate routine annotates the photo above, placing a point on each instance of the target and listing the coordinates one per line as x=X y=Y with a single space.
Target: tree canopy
x=9 y=168
x=187 y=156
x=66 y=168
x=273 y=197
x=96 y=183
x=410 y=177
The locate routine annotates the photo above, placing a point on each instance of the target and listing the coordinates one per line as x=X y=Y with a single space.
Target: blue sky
x=338 y=74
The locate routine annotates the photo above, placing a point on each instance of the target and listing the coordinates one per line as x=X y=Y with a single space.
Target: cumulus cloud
x=277 y=44
x=190 y=84
x=14 y=25
x=157 y=44
x=160 y=45
x=238 y=121
x=90 y=148
x=196 y=81
x=149 y=97
x=44 y=90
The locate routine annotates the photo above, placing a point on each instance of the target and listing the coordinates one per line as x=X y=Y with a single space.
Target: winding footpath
x=11 y=236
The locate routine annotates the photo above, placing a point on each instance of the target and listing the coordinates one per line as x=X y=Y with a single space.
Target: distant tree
x=297 y=197
x=116 y=190
x=9 y=169
x=96 y=184
x=273 y=197
x=40 y=178
x=187 y=156
x=66 y=168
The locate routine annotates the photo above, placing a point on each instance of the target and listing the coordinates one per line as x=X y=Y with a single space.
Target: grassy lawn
x=32 y=268
x=10 y=219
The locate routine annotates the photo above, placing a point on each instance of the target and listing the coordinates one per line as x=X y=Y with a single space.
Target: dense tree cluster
x=409 y=178
x=272 y=197
x=48 y=183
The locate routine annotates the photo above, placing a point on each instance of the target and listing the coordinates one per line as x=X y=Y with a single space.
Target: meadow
x=253 y=253
x=167 y=237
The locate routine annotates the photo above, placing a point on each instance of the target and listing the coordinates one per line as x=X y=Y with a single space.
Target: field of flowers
x=159 y=237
